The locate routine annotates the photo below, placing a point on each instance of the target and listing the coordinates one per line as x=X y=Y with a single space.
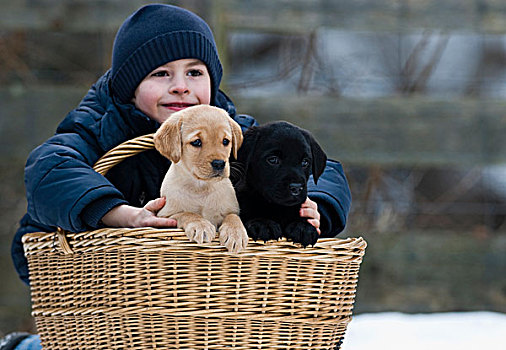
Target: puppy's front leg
x=264 y=229
x=233 y=234
x=196 y=227
x=301 y=231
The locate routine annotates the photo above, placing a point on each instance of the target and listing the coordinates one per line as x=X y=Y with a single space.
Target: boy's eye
x=226 y=142
x=196 y=143
x=160 y=73
x=194 y=73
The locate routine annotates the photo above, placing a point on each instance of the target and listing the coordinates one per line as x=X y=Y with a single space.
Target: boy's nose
x=179 y=86
x=179 y=90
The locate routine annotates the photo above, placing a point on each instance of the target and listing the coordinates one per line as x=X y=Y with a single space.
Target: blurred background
x=409 y=95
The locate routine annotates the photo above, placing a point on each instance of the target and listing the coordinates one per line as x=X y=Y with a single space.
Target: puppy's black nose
x=296 y=188
x=218 y=164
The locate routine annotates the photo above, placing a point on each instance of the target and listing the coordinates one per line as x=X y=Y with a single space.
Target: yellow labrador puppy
x=199 y=195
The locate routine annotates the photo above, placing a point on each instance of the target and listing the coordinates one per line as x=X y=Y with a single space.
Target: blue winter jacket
x=64 y=191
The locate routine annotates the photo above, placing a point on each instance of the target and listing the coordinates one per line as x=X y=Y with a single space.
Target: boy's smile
x=173 y=87
x=177 y=106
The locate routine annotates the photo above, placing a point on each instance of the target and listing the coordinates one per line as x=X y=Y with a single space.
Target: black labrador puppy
x=275 y=161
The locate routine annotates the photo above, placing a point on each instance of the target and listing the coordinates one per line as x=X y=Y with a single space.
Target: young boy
x=164 y=59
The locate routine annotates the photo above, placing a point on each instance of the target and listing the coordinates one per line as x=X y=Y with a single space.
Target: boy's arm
x=333 y=196
x=60 y=183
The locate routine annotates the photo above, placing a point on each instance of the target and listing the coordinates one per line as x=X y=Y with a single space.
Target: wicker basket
x=153 y=289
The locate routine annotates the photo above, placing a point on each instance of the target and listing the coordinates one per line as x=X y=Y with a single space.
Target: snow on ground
x=439 y=331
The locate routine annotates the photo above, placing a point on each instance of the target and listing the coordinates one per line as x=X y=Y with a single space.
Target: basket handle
x=105 y=163
x=124 y=150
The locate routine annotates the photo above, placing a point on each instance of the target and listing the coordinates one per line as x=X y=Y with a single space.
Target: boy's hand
x=128 y=216
x=309 y=210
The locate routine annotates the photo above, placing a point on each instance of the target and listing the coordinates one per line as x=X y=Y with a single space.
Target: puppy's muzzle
x=295 y=188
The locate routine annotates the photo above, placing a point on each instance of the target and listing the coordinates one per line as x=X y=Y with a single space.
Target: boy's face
x=173 y=87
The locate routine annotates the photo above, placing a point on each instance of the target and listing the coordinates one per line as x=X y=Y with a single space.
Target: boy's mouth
x=177 y=106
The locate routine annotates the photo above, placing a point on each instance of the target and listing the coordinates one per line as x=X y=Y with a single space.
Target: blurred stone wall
x=416 y=153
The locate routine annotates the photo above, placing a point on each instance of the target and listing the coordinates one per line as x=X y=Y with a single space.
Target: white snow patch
x=439 y=331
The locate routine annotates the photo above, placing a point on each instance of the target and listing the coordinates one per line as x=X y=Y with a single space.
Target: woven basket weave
x=153 y=289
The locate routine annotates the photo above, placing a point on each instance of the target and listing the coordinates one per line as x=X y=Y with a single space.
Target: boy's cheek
x=205 y=95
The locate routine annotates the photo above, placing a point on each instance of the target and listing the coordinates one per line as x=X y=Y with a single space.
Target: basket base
x=147 y=331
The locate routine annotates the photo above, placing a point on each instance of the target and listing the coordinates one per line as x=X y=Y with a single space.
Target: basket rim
x=174 y=240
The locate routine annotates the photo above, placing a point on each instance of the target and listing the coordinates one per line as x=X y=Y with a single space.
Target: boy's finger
x=309 y=204
x=303 y=212
x=309 y=213
x=170 y=223
x=155 y=204
x=163 y=222
x=316 y=224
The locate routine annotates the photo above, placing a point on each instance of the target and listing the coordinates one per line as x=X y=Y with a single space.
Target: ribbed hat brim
x=161 y=50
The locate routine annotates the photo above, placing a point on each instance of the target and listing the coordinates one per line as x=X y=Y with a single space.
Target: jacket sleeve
x=61 y=183
x=245 y=121
x=333 y=196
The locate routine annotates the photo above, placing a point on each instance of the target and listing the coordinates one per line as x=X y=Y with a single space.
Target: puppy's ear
x=245 y=153
x=236 y=137
x=318 y=155
x=167 y=138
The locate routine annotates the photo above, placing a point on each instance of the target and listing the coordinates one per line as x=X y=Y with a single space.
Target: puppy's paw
x=302 y=232
x=233 y=237
x=263 y=229
x=200 y=231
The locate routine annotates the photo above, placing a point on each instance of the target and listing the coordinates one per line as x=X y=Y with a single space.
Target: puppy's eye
x=274 y=160
x=305 y=163
x=226 y=142
x=196 y=143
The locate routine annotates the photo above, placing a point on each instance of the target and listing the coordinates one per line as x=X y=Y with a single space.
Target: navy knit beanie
x=154 y=35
